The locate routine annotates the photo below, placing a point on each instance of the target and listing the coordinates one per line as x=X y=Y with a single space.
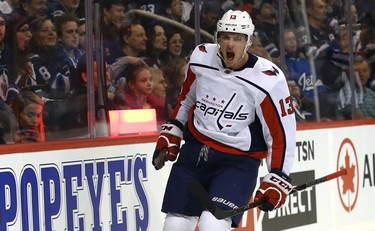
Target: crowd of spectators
x=143 y=60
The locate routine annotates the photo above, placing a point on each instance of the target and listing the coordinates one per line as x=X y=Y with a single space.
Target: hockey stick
x=199 y=192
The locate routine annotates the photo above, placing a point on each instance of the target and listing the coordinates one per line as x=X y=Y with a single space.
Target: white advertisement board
x=344 y=203
x=116 y=187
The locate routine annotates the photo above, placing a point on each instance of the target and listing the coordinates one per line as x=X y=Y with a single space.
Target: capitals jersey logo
x=225 y=113
x=272 y=72
x=202 y=48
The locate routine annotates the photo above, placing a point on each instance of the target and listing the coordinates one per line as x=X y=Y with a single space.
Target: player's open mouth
x=230 y=55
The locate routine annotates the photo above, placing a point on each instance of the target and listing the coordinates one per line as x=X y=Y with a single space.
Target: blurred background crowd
x=65 y=63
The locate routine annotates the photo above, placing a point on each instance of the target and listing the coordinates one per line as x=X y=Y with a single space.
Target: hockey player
x=234 y=110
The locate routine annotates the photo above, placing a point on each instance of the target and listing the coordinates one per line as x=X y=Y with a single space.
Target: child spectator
x=28 y=112
x=144 y=89
x=134 y=94
x=157 y=97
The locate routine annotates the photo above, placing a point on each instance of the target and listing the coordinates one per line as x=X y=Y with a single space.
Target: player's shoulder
x=203 y=51
x=267 y=68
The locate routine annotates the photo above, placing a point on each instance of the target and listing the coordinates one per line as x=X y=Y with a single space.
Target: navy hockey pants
x=231 y=179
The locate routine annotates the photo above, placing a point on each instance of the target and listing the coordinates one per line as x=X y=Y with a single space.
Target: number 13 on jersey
x=286 y=106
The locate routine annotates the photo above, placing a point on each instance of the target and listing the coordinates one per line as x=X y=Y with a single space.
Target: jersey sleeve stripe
x=277 y=133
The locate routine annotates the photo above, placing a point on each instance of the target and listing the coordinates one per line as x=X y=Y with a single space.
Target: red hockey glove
x=275 y=187
x=168 y=144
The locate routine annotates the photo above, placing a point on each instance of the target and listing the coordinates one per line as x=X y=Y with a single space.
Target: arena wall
x=110 y=184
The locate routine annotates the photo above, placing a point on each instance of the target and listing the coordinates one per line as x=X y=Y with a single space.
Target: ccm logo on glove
x=166 y=127
x=168 y=143
x=273 y=190
x=282 y=183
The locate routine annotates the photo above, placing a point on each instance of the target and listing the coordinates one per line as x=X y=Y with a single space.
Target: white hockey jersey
x=243 y=112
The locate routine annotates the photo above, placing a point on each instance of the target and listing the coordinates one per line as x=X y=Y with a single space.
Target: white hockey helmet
x=236 y=21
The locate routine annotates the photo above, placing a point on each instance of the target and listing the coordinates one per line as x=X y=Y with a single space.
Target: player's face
x=70 y=36
x=143 y=83
x=232 y=46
